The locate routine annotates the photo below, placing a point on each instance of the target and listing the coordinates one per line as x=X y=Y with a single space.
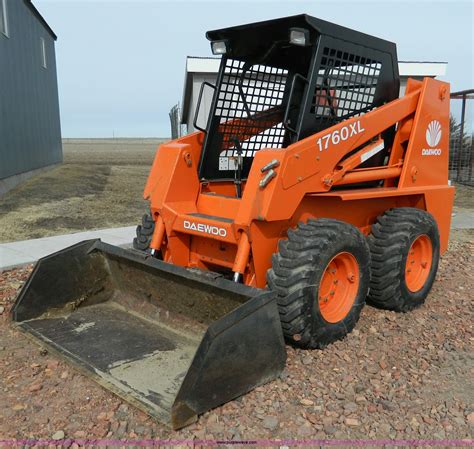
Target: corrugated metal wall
x=30 y=134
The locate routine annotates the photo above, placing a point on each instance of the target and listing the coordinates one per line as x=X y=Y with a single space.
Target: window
x=44 y=62
x=3 y=17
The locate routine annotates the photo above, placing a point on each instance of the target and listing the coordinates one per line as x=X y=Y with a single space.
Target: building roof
x=210 y=65
x=422 y=68
x=37 y=14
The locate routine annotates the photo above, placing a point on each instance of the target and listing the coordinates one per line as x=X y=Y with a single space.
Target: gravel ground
x=397 y=376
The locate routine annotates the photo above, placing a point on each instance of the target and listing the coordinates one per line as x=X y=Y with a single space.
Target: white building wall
x=201 y=70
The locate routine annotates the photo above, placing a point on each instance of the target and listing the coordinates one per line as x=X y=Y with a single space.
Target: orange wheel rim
x=419 y=261
x=338 y=287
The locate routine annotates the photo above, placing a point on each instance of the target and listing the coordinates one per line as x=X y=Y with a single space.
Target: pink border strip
x=261 y=443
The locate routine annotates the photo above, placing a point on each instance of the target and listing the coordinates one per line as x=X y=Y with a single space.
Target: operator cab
x=283 y=80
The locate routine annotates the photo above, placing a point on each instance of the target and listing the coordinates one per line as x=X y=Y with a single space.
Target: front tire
x=404 y=246
x=144 y=234
x=321 y=277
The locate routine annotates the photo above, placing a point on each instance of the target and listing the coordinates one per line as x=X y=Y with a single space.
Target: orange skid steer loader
x=309 y=188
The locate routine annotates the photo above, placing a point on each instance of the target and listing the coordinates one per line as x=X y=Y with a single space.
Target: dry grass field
x=99 y=185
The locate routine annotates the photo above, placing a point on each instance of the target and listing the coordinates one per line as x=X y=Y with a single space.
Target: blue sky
x=121 y=64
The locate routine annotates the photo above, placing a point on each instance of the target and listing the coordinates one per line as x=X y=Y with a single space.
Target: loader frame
x=204 y=225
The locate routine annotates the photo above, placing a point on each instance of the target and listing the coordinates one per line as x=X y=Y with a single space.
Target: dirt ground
x=464 y=198
x=99 y=185
x=397 y=376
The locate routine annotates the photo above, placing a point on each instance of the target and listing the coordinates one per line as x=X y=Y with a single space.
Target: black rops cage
x=282 y=80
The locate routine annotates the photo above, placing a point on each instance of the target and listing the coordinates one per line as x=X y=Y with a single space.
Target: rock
x=350 y=407
x=384 y=429
x=353 y=422
x=399 y=425
x=18 y=407
x=64 y=375
x=313 y=418
x=216 y=427
x=270 y=422
x=307 y=360
x=80 y=434
x=470 y=419
x=327 y=420
x=304 y=430
x=35 y=387
x=52 y=364
x=387 y=405
x=2 y=309
x=59 y=435
x=330 y=430
x=372 y=369
x=306 y=402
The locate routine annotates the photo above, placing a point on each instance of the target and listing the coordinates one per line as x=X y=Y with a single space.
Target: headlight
x=219 y=47
x=299 y=36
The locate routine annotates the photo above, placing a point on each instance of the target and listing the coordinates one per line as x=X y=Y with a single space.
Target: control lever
x=238 y=168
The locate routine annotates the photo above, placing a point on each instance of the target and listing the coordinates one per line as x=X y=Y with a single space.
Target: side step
x=211 y=217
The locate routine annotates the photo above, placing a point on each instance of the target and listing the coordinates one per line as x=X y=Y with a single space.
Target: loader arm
x=304 y=165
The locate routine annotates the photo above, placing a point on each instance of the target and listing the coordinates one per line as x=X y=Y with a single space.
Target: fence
x=177 y=129
x=461 y=145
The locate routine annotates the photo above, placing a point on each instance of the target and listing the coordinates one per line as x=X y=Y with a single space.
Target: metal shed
x=30 y=133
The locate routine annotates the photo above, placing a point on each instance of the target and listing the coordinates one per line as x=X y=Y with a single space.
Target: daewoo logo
x=433 y=136
x=433 y=133
x=204 y=228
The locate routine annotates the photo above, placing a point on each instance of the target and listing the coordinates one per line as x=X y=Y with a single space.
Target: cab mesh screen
x=250 y=109
x=345 y=86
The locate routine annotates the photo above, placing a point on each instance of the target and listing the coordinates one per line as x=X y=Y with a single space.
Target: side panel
x=426 y=158
x=439 y=203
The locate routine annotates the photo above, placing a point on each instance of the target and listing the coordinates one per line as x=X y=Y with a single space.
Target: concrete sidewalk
x=15 y=254
x=462 y=220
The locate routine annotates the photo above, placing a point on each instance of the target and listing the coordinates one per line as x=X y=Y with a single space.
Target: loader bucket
x=173 y=342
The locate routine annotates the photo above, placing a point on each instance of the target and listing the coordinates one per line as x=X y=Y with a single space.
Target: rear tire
x=321 y=277
x=144 y=234
x=404 y=246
